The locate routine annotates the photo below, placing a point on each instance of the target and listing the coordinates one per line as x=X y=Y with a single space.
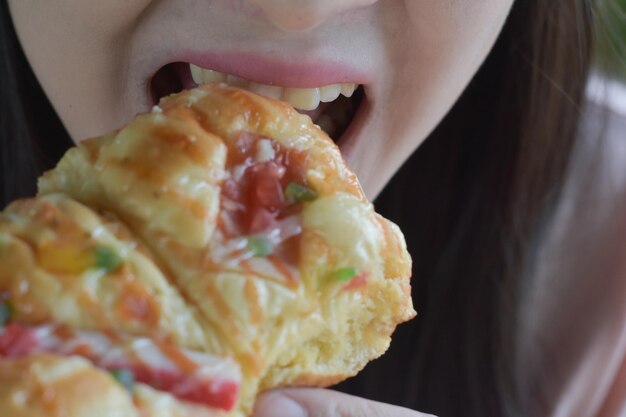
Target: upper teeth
x=300 y=98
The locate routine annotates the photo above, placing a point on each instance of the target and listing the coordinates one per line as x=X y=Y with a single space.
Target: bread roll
x=223 y=223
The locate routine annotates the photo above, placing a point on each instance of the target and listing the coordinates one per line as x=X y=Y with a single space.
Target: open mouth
x=332 y=107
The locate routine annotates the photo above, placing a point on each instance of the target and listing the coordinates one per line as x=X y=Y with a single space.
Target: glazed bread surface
x=222 y=222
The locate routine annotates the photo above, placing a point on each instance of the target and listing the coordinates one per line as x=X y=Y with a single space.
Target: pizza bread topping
x=191 y=376
x=223 y=228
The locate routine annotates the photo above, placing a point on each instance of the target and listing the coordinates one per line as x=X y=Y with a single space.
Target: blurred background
x=608 y=84
x=611 y=38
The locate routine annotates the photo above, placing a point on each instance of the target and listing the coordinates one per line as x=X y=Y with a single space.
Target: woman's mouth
x=300 y=98
x=332 y=106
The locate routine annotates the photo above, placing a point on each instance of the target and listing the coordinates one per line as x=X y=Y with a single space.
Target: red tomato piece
x=357 y=282
x=215 y=392
x=16 y=341
x=231 y=189
x=262 y=220
x=269 y=192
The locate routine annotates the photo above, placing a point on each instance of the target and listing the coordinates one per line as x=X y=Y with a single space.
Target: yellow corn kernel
x=63 y=258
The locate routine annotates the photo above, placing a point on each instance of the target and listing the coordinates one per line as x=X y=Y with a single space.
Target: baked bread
x=213 y=248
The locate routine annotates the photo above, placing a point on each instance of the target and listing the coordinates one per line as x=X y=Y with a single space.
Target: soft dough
x=241 y=224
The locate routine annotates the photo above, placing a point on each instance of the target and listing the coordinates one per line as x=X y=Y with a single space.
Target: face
x=101 y=62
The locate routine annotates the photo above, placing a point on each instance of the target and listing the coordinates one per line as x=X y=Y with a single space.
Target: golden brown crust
x=49 y=268
x=286 y=322
x=48 y=386
x=314 y=380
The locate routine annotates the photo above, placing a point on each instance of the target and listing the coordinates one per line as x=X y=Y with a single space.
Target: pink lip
x=304 y=73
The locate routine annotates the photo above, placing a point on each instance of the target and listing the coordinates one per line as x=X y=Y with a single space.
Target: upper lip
x=298 y=73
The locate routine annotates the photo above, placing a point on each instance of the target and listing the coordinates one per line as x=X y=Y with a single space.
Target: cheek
x=448 y=41
x=431 y=50
x=466 y=28
x=76 y=49
x=444 y=44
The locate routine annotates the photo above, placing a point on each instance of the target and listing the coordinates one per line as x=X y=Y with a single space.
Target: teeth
x=203 y=76
x=300 y=98
x=196 y=74
x=236 y=81
x=271 y=91
x=303 y=98
x=347 y=89
x=210 y=76
x=330 y=93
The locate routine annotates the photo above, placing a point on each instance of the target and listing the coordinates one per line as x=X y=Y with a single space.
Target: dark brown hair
x=471 y=202
x=32 y=137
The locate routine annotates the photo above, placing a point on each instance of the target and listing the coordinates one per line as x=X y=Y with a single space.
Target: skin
x=311 y=402
x=95 y=58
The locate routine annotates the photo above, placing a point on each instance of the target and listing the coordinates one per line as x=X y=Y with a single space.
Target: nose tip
x=301 y=15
